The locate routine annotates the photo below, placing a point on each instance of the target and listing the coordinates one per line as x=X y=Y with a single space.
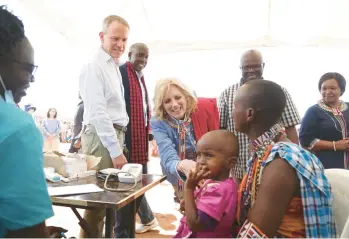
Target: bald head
x=136 y=46
x=251 y=54
x=220 y=140
x=138 y=56
x=251 y=64
x=263 y=101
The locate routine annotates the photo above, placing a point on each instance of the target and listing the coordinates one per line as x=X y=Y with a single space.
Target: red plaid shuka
x=137 y=135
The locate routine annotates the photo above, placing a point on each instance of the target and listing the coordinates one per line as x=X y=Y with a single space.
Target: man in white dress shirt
x=105 y=116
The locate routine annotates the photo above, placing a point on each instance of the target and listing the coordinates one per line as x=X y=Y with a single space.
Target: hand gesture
x=195 y=175
x=119 y=161
x=201 y=183
x=185 y=166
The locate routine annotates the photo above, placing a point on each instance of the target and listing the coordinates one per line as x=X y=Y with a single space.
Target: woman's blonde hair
x=162 y=88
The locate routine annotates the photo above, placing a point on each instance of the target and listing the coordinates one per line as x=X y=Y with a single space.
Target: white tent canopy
x=182 y=25
x=198 y=41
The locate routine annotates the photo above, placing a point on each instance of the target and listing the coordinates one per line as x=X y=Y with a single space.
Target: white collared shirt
x=139 y=76
x=102 y=92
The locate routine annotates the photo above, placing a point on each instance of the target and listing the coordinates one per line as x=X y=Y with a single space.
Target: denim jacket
x=167 y=139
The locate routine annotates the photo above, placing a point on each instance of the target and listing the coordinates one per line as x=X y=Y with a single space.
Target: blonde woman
x=180 y=120
x=51 y=129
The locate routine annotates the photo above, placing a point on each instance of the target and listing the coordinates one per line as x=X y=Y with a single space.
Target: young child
x=210 y=211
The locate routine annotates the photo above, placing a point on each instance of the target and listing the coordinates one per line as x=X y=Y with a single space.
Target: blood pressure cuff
x=112 y=178
x=250 y=230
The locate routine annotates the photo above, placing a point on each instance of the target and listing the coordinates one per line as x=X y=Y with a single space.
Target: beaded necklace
x=182 y=137
x=260 y=148
x=336 y=111
x=338 y=115
x=182 y=132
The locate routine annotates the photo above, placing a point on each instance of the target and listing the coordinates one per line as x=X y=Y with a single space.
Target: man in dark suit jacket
x=137 y=134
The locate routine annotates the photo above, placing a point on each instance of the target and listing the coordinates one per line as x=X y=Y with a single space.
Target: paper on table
x=73 y=190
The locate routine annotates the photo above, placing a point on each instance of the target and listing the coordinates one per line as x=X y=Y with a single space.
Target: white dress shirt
x=102 y=92
x=145 y=108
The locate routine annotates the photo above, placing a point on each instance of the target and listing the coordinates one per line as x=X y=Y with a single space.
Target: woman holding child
x=180 y=120
x=285 y=192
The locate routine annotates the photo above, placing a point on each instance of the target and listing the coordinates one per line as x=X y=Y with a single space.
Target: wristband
x=334 y=146
x=250 y=230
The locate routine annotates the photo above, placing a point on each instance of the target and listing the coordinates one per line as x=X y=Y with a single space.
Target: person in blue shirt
x=24 y=200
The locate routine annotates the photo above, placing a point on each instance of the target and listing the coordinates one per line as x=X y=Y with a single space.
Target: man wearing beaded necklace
x=293 y=192
x=252 y=66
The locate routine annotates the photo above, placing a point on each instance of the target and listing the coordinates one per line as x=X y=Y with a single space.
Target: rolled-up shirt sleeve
x=95 y=106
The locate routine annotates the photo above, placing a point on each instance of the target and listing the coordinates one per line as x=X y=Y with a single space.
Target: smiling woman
x=325 y=126
x=180 y=120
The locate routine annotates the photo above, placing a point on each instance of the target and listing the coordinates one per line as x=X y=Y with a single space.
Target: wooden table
x=108 y=200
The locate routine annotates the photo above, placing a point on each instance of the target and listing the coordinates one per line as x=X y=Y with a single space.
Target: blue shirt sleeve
x=168 y=154
x=24 y=198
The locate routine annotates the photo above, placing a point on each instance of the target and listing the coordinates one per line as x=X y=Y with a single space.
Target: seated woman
x=285 y=192
x=179 y=122
x=325 y=126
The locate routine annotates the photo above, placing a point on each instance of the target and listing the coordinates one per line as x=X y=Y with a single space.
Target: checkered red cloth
x=139 y=132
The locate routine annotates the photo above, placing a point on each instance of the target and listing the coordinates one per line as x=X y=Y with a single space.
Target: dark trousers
x=144 y=211
x=124 y=219
x=123 y=216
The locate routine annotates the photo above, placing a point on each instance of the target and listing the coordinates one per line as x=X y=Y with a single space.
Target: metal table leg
x=131 y=229
x=83 y=224
x=108 y=223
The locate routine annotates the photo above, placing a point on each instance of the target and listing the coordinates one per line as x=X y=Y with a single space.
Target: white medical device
x=54 y=177
x=130 y=173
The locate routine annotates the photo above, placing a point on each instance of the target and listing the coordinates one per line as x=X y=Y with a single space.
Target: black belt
x=118 y=127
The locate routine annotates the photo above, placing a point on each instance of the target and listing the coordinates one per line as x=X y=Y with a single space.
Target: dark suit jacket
x=126 y=84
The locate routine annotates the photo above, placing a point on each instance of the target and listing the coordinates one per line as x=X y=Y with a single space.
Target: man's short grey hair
x=113 y=18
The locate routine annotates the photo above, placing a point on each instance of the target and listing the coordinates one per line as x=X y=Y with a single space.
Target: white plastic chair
x=345 y=232
x=339 y=181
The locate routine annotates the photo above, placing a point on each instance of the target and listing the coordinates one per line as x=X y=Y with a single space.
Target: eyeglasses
x=30 y=68
x=252 y=67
